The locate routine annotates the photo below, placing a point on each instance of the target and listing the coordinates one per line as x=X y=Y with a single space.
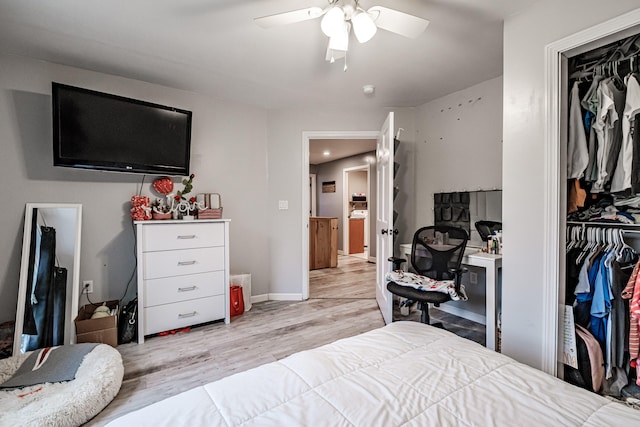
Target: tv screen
x=94 y=130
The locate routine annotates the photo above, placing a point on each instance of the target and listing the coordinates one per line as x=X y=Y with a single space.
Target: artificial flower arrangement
x=173 y=205
x=182 y=205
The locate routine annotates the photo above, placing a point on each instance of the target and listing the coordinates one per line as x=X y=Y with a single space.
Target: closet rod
x=630 y=231
x=587 y=69
x=625 y=228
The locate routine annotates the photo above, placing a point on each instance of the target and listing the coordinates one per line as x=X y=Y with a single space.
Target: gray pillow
x=50 y=365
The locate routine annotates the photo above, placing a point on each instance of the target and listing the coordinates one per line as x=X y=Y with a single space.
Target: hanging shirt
x=577 y=150
x=603 y=125
x=632 y=292
x=601 y=303
x=622 y=177
x=590 y=105
x=617 y=90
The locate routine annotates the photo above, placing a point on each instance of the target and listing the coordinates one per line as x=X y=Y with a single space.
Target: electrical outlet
x=87 y=286
x=473 y=278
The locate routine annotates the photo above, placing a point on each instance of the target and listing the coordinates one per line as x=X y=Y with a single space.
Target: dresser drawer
x=185 y=261
x=180 y=314
x=181 y=288
x=162 y=237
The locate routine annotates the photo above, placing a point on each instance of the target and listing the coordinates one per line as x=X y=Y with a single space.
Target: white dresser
x=183 y=274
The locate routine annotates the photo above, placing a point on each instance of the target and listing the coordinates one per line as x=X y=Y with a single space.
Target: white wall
x=229 y=152
x=525 y=38
x=458 y=145
x=405 y=180
x=285 y=183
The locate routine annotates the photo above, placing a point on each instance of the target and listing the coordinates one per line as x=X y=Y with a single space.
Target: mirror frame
x=73 y=276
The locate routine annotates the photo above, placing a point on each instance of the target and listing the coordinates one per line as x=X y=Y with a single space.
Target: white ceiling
x=214 y=47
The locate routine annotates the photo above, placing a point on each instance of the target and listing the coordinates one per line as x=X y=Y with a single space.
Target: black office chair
x=487 y=228
x=436 y=252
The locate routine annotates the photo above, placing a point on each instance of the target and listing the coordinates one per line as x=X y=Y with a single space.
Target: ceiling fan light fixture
x=340 y=40
x=333 y=21
x=363 y=26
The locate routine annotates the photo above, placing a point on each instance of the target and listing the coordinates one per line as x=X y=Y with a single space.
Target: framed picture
x=329 y=187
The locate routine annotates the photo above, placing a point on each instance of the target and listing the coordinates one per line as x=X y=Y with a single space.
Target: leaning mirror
x=49 y=289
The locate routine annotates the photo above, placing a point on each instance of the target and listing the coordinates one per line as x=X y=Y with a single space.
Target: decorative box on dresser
x=183 y=274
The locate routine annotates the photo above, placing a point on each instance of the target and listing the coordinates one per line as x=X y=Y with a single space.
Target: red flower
x=192 y=200
x=193 y=175
x=177 y=197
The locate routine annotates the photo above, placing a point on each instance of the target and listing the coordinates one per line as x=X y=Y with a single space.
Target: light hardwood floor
x=341 y=304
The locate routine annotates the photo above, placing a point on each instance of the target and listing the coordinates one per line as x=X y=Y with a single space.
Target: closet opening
x=598 y=212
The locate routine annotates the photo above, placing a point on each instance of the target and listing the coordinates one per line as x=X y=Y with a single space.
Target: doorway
x=356 y=196
x=307 y=137
x=557 y=53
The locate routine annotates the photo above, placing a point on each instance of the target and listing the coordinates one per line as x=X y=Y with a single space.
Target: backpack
x=128 y=322
x=590 y=372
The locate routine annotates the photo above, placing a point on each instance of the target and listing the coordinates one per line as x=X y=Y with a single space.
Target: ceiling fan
x=340 y=16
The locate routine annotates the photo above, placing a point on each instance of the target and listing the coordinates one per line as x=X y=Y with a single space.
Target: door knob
x=384 y=231
x=395 y=231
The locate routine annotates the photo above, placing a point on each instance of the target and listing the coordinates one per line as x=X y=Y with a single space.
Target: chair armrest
x=397 y=262
x=457 y=275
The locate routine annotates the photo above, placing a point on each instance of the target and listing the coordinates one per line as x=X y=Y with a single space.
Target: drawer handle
x=182 y=316
x=190 y=288
x=186 y=262
x=187 y=236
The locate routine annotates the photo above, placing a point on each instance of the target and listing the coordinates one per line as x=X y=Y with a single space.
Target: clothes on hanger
x=601 y=130
x=622 y=176
x=632 y=292
x=577 y=143
x=599 y=265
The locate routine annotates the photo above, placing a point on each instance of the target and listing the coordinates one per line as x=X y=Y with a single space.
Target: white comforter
x=405 y=373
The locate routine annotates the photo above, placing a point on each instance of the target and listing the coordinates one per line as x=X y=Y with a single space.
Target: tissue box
x=102 y=330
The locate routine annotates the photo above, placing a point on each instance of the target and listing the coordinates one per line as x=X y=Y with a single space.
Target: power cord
x=135 y=254
x=135 y=257
x=135 y=266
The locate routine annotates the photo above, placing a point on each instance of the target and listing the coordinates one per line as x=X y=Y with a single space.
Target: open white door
x=384 y=217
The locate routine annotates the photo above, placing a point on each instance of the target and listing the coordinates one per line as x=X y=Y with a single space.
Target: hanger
x=587 y=248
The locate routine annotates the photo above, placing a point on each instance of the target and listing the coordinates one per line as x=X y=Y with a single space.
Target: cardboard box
x=102 y=330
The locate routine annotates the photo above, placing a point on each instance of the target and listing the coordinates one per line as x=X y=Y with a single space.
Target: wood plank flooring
x=341 y=304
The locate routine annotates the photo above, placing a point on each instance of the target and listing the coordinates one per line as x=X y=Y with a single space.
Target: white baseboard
x=275 y=297
x=372 y=259
x=259 y=298
x=284 y=297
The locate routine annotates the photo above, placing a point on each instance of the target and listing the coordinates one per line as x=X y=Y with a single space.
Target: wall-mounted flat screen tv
x=95 y=130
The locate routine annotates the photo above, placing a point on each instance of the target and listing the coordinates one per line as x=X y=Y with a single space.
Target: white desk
x=491 y=264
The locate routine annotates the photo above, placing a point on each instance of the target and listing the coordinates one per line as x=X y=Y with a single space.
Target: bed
x=405 y=373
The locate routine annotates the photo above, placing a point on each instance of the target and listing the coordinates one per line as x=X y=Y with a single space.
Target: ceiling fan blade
x=286 y=18
x=398 y=22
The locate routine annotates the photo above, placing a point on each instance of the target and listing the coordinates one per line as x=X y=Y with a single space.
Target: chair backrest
x=486 y=228
x=438 y=249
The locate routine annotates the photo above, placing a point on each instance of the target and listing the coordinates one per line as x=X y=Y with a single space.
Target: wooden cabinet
x=183 y=274
x=356 y=236
x=323 y=242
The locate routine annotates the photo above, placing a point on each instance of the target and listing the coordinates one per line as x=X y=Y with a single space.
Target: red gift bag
x=236 y=299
